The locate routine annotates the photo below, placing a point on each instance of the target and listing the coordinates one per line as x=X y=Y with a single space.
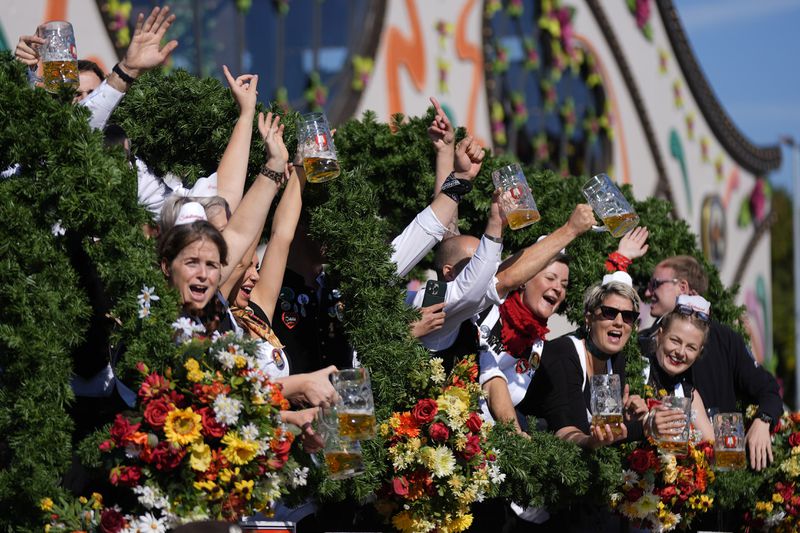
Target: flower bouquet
x=662 y=491
x=206 y=441
x=439 y=462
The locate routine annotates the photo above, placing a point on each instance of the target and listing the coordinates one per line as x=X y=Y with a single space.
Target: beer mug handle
x=599 y=229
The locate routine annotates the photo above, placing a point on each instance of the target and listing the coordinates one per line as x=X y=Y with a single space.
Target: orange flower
x=138 y=437
x=404 y=425
x=701 y=480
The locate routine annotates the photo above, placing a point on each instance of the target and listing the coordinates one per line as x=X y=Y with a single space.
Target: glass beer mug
x=606 y=402
x=729 y=441
x=677 y=444
x=315 y=143
x=610 y=205
x=342 y=455
x=356 y=407
x=59 y=55
x=516 y=199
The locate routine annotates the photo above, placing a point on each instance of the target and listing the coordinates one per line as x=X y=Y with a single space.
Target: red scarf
x=520 y=327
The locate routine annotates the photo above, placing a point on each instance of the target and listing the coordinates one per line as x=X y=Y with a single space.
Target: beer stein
x=729 y=441
x=677 y=444
x=59 y=55
x=356 y=407
x=342 y=455
x=516 y=199
x=315 y=143
x=606 y=402
x=610 y=205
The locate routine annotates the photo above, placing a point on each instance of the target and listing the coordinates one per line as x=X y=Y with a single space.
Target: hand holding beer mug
x=610 y=205
x=516 y=200
x=356 y=407
x=59 y=55
x=729 y=441
x=606 y=402
x=342 y=455
x=315 y=144
x=672 y=419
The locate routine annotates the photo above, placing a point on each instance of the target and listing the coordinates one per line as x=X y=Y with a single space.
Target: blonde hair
x=594 y=295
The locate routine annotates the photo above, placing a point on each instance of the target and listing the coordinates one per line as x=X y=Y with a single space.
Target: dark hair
x=114 y=135
x=179 y=237
x=674 y=315
x=688 y=268
x=84 y=65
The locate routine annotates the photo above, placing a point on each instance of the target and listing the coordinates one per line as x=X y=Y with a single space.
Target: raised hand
x=581 y=219
x=243 y=89
x=634 y=243
x=441 y=132
x=145 y=50
x=469 y=157
x=26 y=50
x=272 y=133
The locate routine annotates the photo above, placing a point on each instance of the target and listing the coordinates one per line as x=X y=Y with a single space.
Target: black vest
x=466 y=343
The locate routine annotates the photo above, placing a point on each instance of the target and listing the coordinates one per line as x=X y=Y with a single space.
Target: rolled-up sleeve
x=416 y=240
x=102 y=102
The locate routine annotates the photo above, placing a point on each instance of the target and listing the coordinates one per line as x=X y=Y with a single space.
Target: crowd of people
x=210 y=251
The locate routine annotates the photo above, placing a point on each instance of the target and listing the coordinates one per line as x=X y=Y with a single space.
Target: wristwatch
x=764 y=417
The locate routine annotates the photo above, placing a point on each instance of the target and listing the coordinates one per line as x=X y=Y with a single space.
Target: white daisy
x=186 y=328
x=226 y=410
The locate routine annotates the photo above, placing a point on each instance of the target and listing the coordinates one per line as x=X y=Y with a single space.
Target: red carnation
x=156 y=412
x=400 y=486
x=106 y=446
x=424 y=411
x=211 y=427
x=121 y=429
x=474 y=422
x=439 y=432
x=642 y=460
x=794 y=439
x=164 y=456
x=472 y=448
x=153 y=386
x=127 y=476
x=667 y=493
x=111 y=521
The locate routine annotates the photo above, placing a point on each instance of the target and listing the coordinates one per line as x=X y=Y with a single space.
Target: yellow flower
x=240 y=361
x=440 y=460
x=206 y=485
x=403 y=522
x=237 y=450
x=384 y=430
x=182 y=426
x=226 y=474
x=200 y=458
x=669 y=520
x=460 y=523
x=97 y=501
x=245 y=488
x=46 y=504
x=777 y=498
x=764 y=506
x=83 y=500
x=193 y=369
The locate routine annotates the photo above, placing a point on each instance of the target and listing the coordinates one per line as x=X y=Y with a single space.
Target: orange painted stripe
x=55 y=10
x=617 y=120
x=404 y=51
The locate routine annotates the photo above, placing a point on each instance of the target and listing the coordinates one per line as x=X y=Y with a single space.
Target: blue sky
x=750 y=52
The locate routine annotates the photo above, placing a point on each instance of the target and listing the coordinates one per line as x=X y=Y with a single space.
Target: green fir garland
x=180 y=124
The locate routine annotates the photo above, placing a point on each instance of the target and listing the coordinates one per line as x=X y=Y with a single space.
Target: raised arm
x=144 y=53
x=525 y=264
x=247 y=221
x=443 y=137
x=266 y=291
x=232 y=169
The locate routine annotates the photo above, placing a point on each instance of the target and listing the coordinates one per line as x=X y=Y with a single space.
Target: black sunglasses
x=610 y=313
x=687 y=310
x=655 y=283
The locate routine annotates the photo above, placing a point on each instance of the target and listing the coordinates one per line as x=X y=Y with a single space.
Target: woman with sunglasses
x=679 y=343
x=560 y=391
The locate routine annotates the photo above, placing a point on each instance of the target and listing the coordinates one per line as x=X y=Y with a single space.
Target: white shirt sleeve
x=102 y=102
x=417 y=239
x=151 y=189
x=466 y=295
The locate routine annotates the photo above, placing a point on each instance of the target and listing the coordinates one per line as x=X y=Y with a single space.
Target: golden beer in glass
x=729 y=451
x=356 y=406
x=343 y=464
x=356 y=425
x=614 y=420
x=610 y=205
x=315 y=145
x=516 y=199
x=59 y=55
x=677 y=444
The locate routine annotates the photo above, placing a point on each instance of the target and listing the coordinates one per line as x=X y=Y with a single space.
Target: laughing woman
x=560 y=390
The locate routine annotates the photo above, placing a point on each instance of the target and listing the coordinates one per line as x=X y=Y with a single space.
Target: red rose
x=424 y=411
x=634 y=494
x=667 y=493
x=127 y=476
x=106 y=446
x=794 y=439
x=642 y=460
x=400 y=486
x=281 y=448
x=211 y=427
x=111 y=521
x=156 y=412
x=122 y=428
x=472 y=448
x=164 y=456
x=439 y=432
x=474 y=422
